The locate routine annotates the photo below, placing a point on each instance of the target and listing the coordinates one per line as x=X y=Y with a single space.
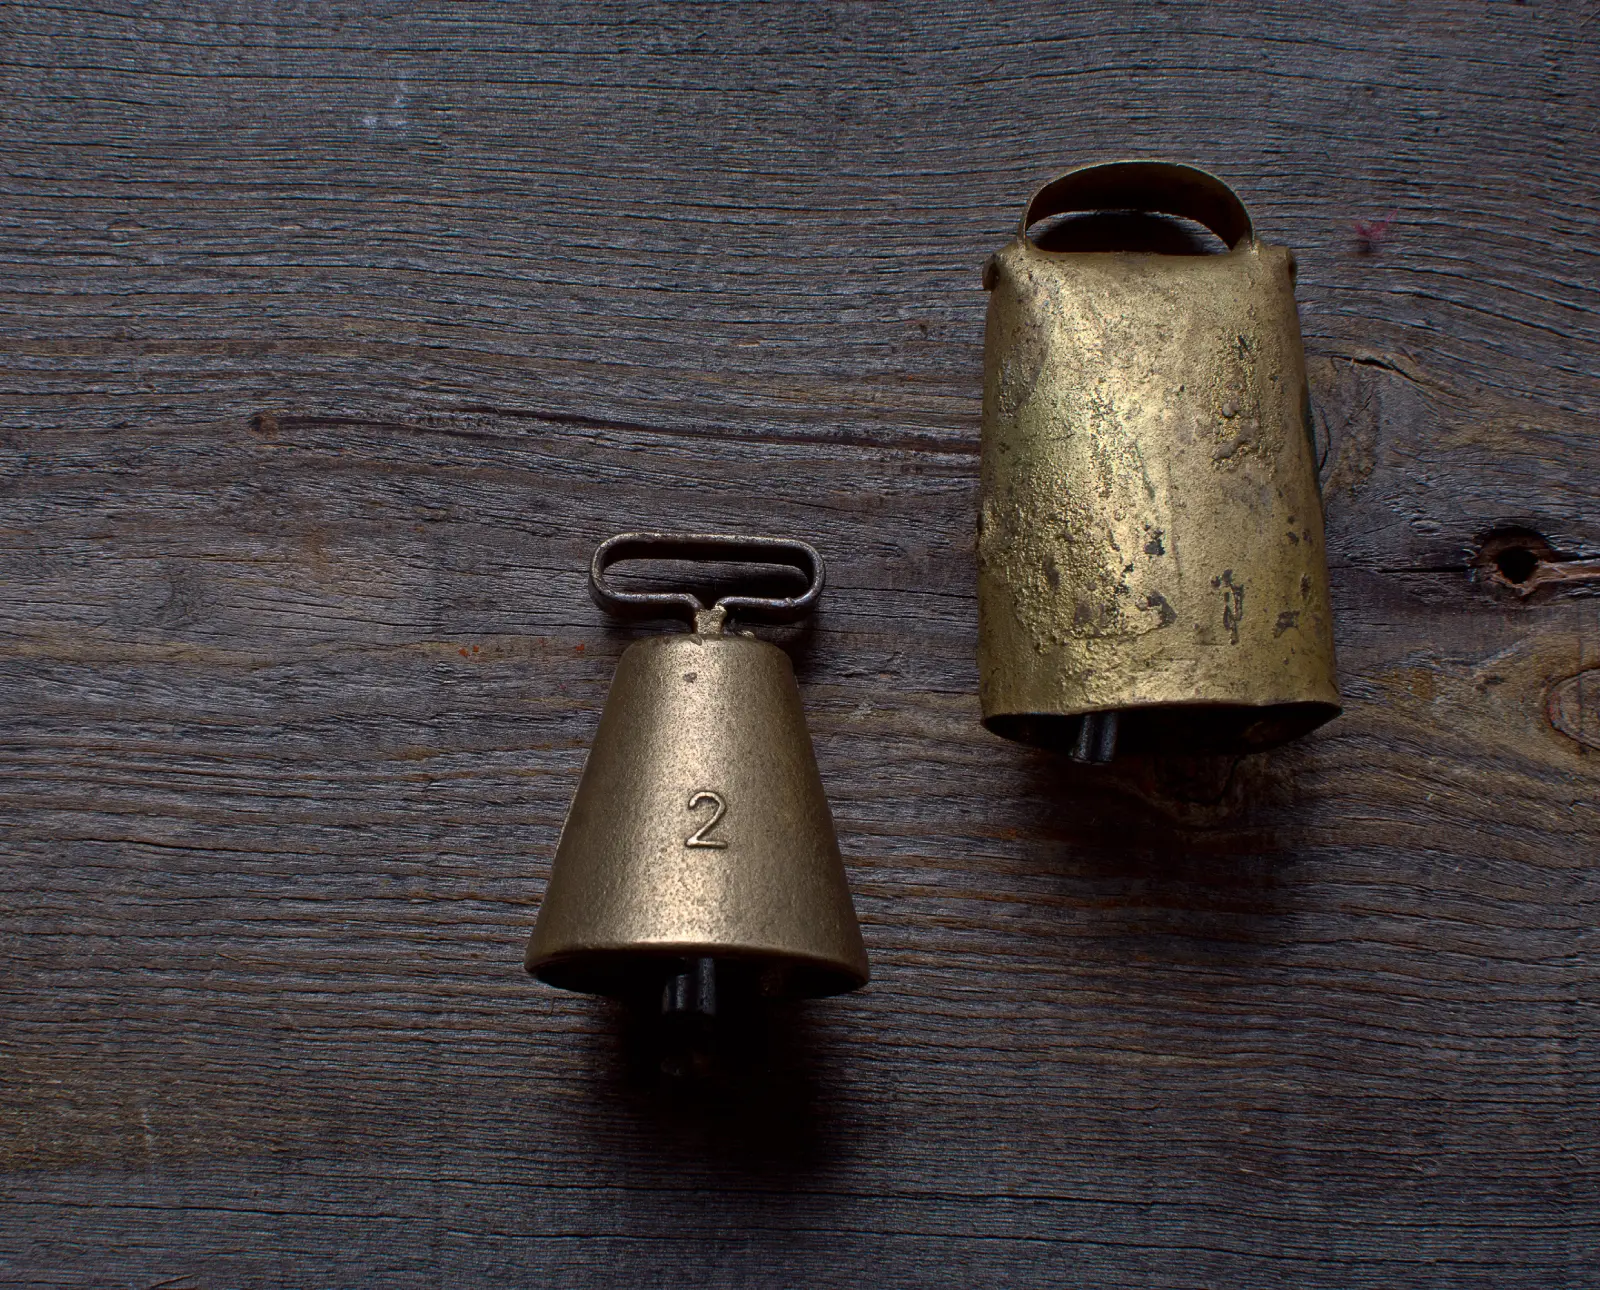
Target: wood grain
x=336 y=336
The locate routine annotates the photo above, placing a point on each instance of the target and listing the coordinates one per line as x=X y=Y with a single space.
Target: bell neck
x=711 y=622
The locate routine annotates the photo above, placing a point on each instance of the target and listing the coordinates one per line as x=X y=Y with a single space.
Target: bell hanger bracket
x=706 y=548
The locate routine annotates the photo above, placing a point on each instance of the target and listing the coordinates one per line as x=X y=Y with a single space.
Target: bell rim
x=612 y=970
x=1230 y=723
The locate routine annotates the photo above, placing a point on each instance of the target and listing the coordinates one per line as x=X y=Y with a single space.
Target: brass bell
x=698 y=859
x=1150 y=548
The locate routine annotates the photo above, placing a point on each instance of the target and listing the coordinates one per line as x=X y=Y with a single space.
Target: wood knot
x=1521 y=564
x=1573 y=707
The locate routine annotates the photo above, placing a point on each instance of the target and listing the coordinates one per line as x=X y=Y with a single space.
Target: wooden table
x=336 y=336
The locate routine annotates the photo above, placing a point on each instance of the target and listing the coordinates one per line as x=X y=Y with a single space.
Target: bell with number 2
x=698 y=858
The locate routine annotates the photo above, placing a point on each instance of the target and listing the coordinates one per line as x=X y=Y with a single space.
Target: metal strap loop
x=707 y=547
x=1164 y=187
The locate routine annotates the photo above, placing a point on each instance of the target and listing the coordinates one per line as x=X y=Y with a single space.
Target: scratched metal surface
x=337 y=334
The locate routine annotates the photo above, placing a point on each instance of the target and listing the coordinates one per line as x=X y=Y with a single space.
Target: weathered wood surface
x=335 y=337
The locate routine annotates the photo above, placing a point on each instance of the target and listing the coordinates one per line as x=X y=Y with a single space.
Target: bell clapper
x=1096 y=741
x=687 y=1042
x=693 y=992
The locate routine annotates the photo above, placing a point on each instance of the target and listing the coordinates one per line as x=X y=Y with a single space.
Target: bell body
x=1150 y=536
x=700 y=831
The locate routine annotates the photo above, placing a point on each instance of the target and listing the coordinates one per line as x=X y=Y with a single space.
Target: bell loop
x=707 y=548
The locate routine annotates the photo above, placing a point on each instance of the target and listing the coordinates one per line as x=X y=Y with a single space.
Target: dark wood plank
x=336 y=336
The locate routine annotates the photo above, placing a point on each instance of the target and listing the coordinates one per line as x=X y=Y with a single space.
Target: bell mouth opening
x=652 y=978
x=1173 y=728
x=1135 y=232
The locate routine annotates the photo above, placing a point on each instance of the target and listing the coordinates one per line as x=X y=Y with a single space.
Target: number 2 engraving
x=700 y=838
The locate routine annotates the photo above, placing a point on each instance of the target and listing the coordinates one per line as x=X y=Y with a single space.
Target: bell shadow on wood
x=742 y=1094
x=1167 y=848
x=735 y=1082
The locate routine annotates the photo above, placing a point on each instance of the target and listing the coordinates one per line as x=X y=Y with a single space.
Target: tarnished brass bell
x=1150 y=548
x=698 y=859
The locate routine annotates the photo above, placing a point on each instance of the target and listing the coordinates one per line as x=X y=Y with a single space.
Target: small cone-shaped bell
x=700 y=838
